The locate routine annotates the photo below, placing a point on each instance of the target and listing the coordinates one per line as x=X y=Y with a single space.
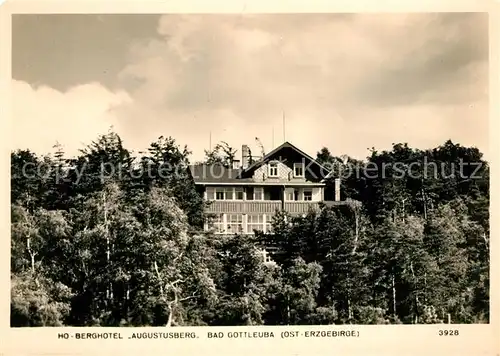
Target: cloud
x=345 y=81
x=90 y=48
x=44 y=116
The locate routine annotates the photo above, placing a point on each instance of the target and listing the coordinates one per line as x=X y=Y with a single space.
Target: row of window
x=297 y=195
x=238 y=193
x=272 y=169
x=237 y=224
x=232 y=193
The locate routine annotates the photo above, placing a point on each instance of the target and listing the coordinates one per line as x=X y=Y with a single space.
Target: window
x=289 y=194
x=255 y=222
x=235 y=223
x=226 y=194
x=210 y=193
x=229 y=193
x=273 y=169
x=249 y=193
x=298 y=169
x=219 y=194
x=258 y=194
x=307 y=194
x=217 y=223
x=238 y=193
x=268 y=223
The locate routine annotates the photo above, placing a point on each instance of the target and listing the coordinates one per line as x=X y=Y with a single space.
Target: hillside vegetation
x=124 y=246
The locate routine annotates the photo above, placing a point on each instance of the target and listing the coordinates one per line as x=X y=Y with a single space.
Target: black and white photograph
x=245 y=169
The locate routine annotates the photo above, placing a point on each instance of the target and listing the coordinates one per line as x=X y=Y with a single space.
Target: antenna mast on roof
x=261 y=146
x=210 y=141
x=284 y=136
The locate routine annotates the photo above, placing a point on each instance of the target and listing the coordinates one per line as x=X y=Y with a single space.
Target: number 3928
x=448 y=332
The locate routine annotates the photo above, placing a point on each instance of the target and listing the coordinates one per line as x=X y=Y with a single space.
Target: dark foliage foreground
x=129 y=250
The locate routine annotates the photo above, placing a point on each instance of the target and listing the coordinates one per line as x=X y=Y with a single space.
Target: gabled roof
x=217 y=173
x=279 y=148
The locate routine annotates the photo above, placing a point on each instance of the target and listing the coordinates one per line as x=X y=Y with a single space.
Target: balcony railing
x=300 y=207
x=244 y=206
x=267 y=206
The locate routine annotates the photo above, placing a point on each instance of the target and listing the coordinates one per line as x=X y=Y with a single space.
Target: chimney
x=245 y=156
x=337 y=189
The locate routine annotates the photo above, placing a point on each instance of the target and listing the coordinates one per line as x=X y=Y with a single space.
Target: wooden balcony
x=244 y=206
x=303 y=207
x=267 y=206
x=300 y=207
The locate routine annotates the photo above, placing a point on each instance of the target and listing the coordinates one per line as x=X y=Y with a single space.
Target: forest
x=128 y=248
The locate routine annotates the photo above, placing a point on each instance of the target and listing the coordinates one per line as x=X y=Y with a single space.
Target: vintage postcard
x=224 y=179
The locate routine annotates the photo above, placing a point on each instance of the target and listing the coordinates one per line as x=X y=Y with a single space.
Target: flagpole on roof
x=284 y=136
x=273 y=139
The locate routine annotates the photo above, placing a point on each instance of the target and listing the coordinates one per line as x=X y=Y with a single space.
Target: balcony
x=244 y=206
x=300 y=207
x=303 y=207
x=267 y=206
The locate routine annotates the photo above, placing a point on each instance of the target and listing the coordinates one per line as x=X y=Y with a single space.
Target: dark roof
x=216 y=173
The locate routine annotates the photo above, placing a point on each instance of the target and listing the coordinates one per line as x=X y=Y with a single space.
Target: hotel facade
x=244 y=198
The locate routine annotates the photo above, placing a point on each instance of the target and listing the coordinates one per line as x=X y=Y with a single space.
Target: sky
x=348 y=82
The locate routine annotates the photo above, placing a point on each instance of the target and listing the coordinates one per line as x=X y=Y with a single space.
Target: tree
x=243 y=283
x=222 y=154
x=147 y=259
x=108 y=239
x=39 y=296
x=104 y=160
x=295 y=301
x=27 y=186
x=37 y=301
x=458 y=247
x=166 y=165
